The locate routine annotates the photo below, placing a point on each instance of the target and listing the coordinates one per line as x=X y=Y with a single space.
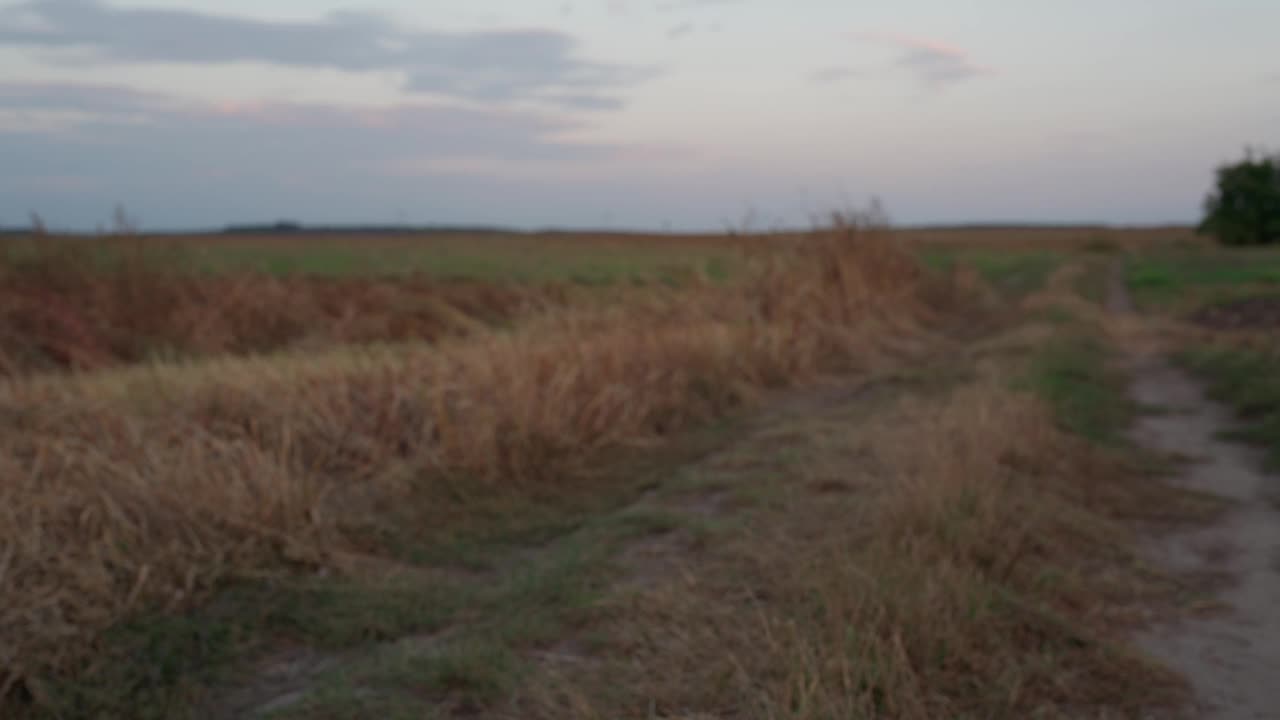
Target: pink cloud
x=916 y=42
x=936 y=64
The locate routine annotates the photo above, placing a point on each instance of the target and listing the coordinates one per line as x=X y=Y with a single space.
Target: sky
x=641 y=114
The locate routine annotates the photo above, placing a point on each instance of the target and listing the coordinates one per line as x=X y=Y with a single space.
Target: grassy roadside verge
x=1249 y=382
x=1214 y=288
x=1176 y=280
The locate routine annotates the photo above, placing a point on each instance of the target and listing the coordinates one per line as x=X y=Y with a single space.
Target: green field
x=495 y=257
x=500 y=260
x=1013 y=272
x=1179 y=278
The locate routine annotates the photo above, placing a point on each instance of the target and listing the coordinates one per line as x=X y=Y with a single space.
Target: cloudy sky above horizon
x=626 y=113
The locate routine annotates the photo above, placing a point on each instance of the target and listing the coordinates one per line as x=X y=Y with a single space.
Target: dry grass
x=1089 y=239
x=58 y=311
x=971 y=563
x=145 y=490
x=59 y=308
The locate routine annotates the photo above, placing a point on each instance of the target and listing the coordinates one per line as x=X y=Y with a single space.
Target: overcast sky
x=627 y=113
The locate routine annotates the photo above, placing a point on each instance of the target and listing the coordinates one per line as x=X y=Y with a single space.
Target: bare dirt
x=1229 y=650
x=1249 y=313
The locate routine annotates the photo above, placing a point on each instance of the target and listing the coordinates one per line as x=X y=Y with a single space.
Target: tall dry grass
x=143 y=490
x=60 y=311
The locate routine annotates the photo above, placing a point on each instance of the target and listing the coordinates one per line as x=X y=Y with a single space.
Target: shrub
x=1244 y=209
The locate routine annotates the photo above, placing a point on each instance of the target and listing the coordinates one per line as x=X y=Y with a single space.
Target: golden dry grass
x=143 y=490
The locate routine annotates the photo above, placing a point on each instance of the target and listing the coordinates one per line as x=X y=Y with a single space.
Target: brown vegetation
x=1257 y=312
x=971 y=562
x=1052 y=238
x=144 y=489
x=59 y=312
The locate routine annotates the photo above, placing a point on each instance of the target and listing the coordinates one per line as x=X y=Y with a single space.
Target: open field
x=494 y=257
x=89 y=303
x=1185 y=279
x=848 y=473
x=589 y=258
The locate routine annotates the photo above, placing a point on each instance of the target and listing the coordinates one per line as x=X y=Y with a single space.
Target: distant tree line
x=290 y=226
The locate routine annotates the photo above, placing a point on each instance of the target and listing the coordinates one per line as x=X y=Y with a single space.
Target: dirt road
x=1230 y=653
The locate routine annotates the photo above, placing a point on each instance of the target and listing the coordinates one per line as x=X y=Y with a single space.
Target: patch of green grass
x=161 y=666
x=1057 y=315
x=1087 y=396
x=482 y=652
x=1190 y=276
x=1015 y=273
x=395 y=682
x=471 y=672
x=158 y=665
x=1249 y=382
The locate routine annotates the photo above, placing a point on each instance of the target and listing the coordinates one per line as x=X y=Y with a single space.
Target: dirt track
x=1230 y=654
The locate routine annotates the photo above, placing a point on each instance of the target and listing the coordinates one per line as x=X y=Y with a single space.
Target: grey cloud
x=587 y=102
x=228 y=161
x=834 y=74
x=79 y=98
x=671 y=5
x=195 y=164
x=937 y=69
x=681 y=30
x=1082 y=136
x=492 y=66
x=267 y=127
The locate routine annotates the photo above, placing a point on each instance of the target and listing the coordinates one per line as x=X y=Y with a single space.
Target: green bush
x=1244 y=209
